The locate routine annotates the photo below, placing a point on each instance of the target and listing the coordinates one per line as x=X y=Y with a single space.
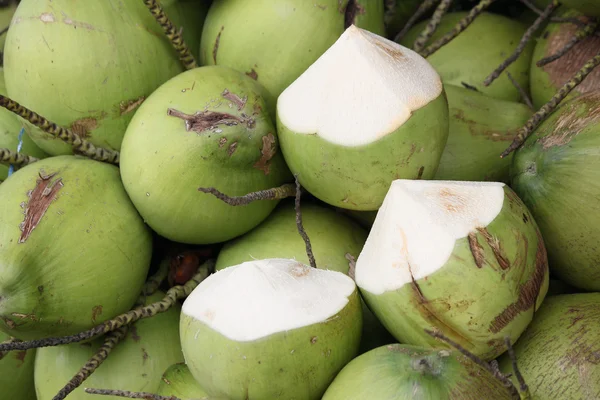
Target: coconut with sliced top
x=271 y=328
x=368 y=111
x=464 y=258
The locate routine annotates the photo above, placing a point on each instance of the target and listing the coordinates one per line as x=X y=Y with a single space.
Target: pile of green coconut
x=297 y=200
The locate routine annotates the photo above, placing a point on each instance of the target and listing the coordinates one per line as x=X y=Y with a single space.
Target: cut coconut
x=418 y=237
x=361 y=89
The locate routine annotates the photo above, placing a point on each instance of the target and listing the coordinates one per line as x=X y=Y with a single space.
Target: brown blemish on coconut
x=528 y=292
x=216 y=46
x=476 y=250
x=240 y=102
x=207 y=120
x=313 y=340
x=40 y=289
x=40 y=198
x=144 y=356
x=496 y=247
x=96 y=312
x=252 y=74
x=128 y=106
x=134 y=333
x=353 y=9
x=222 y=141
x=394 y=54
x=83 y=126
x=31 y=317
x=10 y=323
x=20 y=356
x=299 y=270
x=266 y=154
x=420 y=174
x=232 y=148
x=47 y=18
x=351 y=265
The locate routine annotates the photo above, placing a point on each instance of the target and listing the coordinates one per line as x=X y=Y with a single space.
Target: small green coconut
x=481 y=128
x=74 y=251
x=87 y=66
x=178 y=381
x=269 y=329
x=403 y=372
x=559 y=353
x=368 y=111
x=548 y=79
x=555 y=172
x=464 y=258
x=477 y=51
x=135 y=364
x=16 y=373
x=207 y=127
x=274 y=41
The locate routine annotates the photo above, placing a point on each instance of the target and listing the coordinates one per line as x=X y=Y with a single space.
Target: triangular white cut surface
x=417 y=226
x=361 y=89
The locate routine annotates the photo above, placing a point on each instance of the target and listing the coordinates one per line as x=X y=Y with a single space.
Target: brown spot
x=206 y=120
x=496 y=247
x=10 y=323
x=351 y=264
x=216 y=46
x=266 y=153
x=313 y=340
x=128 y=106
x=561 y=70
x=82 y=127
x=476 y=250
x=96 y=312
x=252 y=74
x=165 y=380
x=453 y=202
x=40 y=289
x=234 y=98
x=40 y=198
x=20 y=356
x=222 y=141
x=144 y=355
x=393 y=53
x=420 y=174
x=134 y=333
x=528 y=292
x=299 y=270
x=525 y=218
x=257 y=109
x=31 y=317
x=232 y=148
x=353 y=9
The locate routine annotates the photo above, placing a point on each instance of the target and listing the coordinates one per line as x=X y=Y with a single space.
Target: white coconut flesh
x=361 y=89
x=417 y=226
x=259 y=298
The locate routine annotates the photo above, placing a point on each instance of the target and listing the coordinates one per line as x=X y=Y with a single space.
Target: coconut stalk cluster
x=289 y=200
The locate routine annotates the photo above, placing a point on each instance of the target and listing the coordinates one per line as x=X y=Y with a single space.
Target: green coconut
x=274 y=41
x=481 y=128
x=74 y=251
x=478 y=51
x=464 y=258
x=207 y=127
x=136 y=364
x=555 y=173
x=399 y=371
x=548 y=79
x=368 y=111
x=559 y=353
x=16 y=373
x=178 y=381
x=336 y=242
x=85 y=67
x=270 y=329
x=7 y=10
x=10 y=128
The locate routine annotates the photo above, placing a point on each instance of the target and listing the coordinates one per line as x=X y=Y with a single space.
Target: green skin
x=16 y=373
x=332 y=235
x=359 y=177
x=6 y=14
x=481 y=128
x=275 y=41
x=405 y=372
x=162 y=175
x=558 y=353
x=555 y=173
x=189 y=15
x=548 y=79
x=85 y=261
x=483 y=46
x=88 y=69
x=178 y=381
x=297 y=364
x=136 y=364
x=368 y=15
x=475 y=307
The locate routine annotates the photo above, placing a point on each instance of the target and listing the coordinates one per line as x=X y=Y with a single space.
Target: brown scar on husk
x=216 y=46
x=420 y=174
x=31 y=317
x=96 y=311
x=206 y=120
x=40 y=198
x=528 y=292
x=129 y=105
x=144 y=355
x=134 y=333
x=240 y=102
x=299 y=270
x=20 y=356
x=232 y=148
x=496 y=247
x=394 y=54
x=351 y=265
x=476 y=250
x=252 y=74
x=83 y=126
x=267 y=153
x=222 y=141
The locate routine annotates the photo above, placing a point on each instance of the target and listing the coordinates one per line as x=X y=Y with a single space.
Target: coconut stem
x=581 y=34
x=494 y=371
x=309 y=252
x=128 y=318
x=522 y=91
x=8 y=341
x=80 y=145
x=278 y=193
x=9 y=157
x=423 y=8
x=525 y=39
x=129 y=395
x=432 y=25
x=549 y=107
x=523 y=388
x=458 y=28
x=174 y=36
